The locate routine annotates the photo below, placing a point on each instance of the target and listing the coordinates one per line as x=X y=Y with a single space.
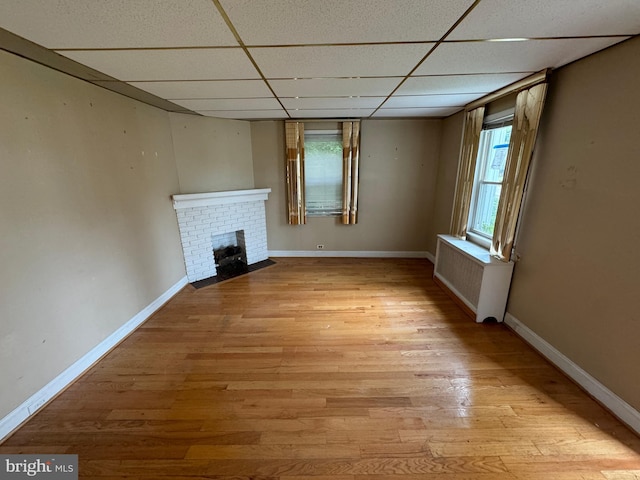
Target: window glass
x=323 y=172
x=490 y=164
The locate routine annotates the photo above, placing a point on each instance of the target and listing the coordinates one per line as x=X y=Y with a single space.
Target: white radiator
x=480 y=281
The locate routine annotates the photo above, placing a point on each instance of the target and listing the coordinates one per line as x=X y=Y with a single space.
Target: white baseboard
x=351 y=253
x=597 y=390
x=58 y=384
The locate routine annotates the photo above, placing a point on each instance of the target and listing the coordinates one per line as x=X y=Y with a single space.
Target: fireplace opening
x=230 y=255
x=230 y=261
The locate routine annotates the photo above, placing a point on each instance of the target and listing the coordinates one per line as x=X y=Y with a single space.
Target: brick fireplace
x=206 y=218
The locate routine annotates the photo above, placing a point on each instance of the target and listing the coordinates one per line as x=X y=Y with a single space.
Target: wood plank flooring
x=342 y=369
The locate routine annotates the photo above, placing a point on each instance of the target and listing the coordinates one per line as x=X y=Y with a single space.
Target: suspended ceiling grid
x=280 y=59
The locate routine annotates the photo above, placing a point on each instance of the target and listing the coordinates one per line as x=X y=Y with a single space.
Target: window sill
x=315 y=215
x=479 y=240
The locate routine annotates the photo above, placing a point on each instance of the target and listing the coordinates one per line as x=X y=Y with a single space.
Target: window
x=490 y=165
x=323 y=172
x=487 y=168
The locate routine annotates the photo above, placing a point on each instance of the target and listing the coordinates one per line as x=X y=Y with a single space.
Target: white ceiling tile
x=449 y=84
x=162 y=48
x=333 y=103
x=413 y=101
x=492 y=57
x=229 y=104
x=416 y=112
x=303 y=22
x=186 y=64
x=549 y=18
x=245 y=114
x=335 y=87
x=206 y=89
x=332 y=113
x=116 y=23
x=343 y=61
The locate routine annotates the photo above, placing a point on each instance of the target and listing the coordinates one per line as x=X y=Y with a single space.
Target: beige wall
x=577 y=282
x=398 y=171
x=89 y=236
x=446 y=179
x=212 y=154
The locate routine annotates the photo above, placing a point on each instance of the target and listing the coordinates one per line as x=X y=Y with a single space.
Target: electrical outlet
x=320 y=247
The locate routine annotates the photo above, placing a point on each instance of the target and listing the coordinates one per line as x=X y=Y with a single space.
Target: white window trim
x=480 y=239
x=323 y=132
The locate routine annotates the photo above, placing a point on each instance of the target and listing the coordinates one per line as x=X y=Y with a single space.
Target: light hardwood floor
x=343 y=369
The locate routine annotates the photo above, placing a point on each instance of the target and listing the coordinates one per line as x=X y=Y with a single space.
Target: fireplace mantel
x=219 y=198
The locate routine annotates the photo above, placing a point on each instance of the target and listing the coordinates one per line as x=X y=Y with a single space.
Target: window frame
x=491 y=122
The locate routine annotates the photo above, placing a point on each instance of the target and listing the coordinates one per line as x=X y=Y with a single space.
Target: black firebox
x=230 y=261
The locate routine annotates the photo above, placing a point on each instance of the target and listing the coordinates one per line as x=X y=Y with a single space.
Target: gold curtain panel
x=466 y=171
x=526 y=119
x=294 y=139
x=350 y=165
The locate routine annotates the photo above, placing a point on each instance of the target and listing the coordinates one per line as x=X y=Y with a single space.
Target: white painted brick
x=199 y=225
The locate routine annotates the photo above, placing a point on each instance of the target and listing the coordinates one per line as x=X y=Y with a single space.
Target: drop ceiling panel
x=245 y=114
x=116 y=23
x=549 y=18
x=448 y=84
x=332 y=113
x=296 y=22
x=335 y=87
x=185 y=64
x=324 y=103
x=340 y=58
x=206 y=89
x=343 y=61
x=412 y=101
x=416 y=112
x=230 y=104
x=532 y=55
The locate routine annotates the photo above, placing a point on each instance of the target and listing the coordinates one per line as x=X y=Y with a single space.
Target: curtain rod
x=527 y=82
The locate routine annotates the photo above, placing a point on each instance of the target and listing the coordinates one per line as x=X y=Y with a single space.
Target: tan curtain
x=350 y=167
x=466 y=171
x=526 y=119
x=294 y=138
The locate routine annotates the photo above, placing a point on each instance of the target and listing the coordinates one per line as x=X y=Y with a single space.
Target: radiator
x=478 y=280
